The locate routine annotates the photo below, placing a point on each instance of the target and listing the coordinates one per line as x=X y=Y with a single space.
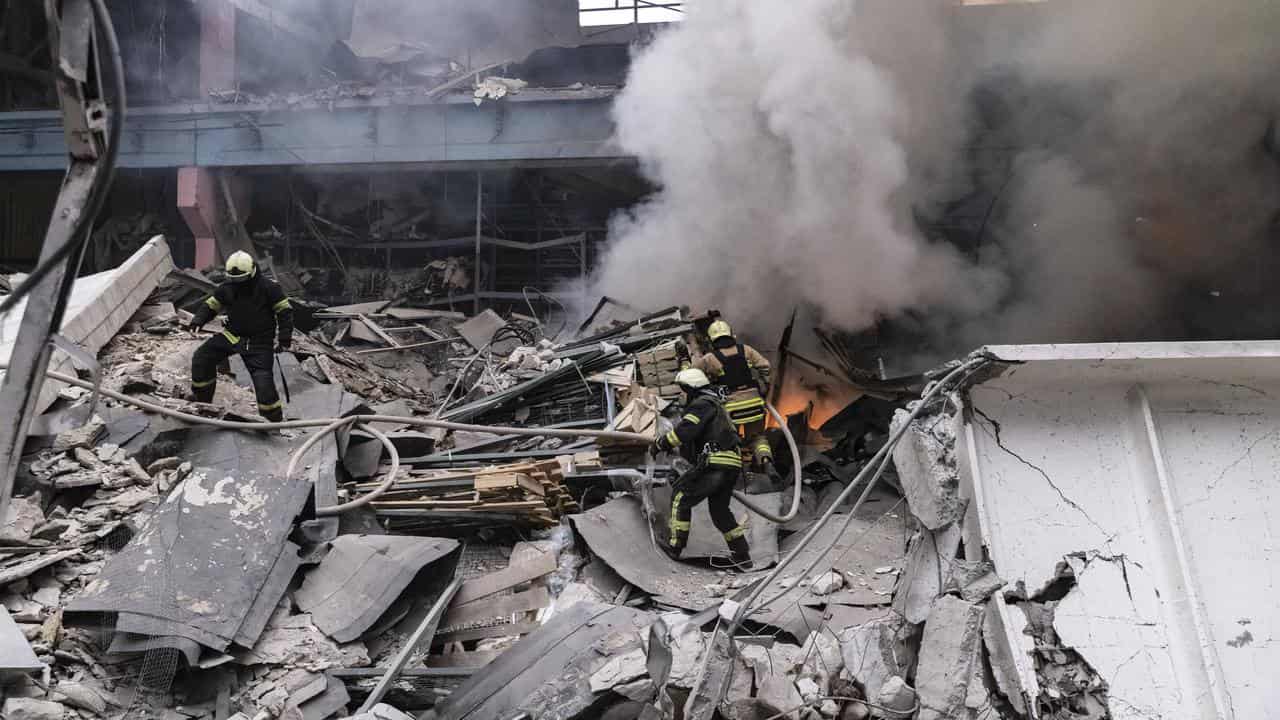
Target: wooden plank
x=357 y=331
x=357 y=309
x=504 y=606
x=483 y=633
x=494 y=582
x=476 y=659
x=377 y=330
x=323 y=363
x=427 y=504
x=423 y=314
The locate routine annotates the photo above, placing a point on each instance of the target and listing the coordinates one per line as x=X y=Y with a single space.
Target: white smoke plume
x=796 y=143
x=781 y=149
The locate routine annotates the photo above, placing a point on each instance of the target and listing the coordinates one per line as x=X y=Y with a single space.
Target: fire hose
x=330 y=425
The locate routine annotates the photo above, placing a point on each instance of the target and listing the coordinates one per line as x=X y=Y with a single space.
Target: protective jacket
x=705 y=433
x=257 y=310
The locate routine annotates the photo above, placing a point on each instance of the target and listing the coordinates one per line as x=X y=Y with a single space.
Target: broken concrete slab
x=295 y=641
x=361 y=576
x=16 y=654
x=876 y=651
x=896 y=699
x=22 y=708
x=775 y=676
x=926 y=463
x=1010 y=655
x=21 y=518
x=952 y=636
x=928 y=560
x=1142 y=451
x=99 y=306
x=974 y=580
x=332 y=700
x=27 y=568
x=85 y=696
x=620 y=670
x=478 y=331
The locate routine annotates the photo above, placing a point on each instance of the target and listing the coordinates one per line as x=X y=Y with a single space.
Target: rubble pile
x=495 y=572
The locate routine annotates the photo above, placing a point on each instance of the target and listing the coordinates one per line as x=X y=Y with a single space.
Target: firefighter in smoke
x=744 y=374
x=705 y=437
x=259 y=324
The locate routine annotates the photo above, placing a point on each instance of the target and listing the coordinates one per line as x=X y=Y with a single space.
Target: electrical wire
x=615 y=435
x=564 y=318
x=97 y=196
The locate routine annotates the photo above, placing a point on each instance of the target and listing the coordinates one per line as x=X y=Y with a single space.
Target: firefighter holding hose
x=705 y=437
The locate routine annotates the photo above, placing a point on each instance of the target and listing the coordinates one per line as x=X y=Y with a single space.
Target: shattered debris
x=124 y=566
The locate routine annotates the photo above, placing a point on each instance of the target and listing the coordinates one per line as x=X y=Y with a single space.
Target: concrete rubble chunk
x=47 y=596
x=826 y=583
x=876 y=651
x=896 y=698
x=975 y=580
x=929 y=555
x=21 y=519
x=83 y=437
x=620 y=670
x=295 y=641
x=926 y=463
x=823 y=657
x=56 y=529
x=83 y=695
x=21 y=708
x=952 y=636
x=641 y=690
x=775 y=673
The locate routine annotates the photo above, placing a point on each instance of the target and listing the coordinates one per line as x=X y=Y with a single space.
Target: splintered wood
x=530 y=494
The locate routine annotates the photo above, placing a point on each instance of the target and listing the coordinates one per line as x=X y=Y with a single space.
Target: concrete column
x=197 y=187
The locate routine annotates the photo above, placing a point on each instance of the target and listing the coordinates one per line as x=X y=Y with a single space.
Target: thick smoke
x=781 y=149
x=1116 y=159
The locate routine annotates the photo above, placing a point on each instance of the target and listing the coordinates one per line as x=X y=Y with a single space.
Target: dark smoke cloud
x=798 y=143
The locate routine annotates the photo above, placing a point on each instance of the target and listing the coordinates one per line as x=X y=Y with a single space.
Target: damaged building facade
x=462 y=515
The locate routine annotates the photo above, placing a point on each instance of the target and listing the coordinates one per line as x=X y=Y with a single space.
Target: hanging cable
x=97 y=196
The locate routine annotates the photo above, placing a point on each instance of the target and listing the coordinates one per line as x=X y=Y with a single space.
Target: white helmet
x=692 y=378
x=240 y=267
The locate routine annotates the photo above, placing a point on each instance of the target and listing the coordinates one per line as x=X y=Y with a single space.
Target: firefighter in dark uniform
x=259 y=324
x=705 y=437
x=744 y=374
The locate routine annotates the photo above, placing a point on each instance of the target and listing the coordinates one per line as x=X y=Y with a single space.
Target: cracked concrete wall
x=1162 y=458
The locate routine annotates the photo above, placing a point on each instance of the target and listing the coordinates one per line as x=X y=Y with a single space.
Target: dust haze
x=1113 y=166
